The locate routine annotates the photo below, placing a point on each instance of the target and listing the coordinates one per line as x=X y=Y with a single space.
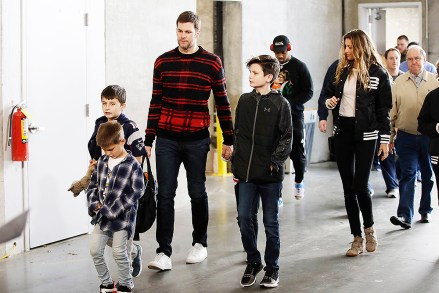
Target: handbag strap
x=148 y=166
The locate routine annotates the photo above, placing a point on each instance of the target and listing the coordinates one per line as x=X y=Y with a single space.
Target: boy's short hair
x=269 y=64
x=390 y=50
x=114 y=92
x=109 y=133
x=189 y=16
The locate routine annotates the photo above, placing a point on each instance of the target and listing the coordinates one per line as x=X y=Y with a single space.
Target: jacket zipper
x=253 y=139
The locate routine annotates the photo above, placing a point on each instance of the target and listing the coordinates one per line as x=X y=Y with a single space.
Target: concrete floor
x=314 y=239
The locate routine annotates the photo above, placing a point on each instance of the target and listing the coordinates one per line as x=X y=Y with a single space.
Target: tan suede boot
x=371 y=239
x=356 y=248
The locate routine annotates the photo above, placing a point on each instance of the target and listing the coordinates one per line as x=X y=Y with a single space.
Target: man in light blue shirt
x=427 y=65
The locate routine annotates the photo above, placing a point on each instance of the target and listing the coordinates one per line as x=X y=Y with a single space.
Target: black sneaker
x=400 y=221
x=123 y=289
x=249 y=277
x=137 y=262
x=107 y=288
x=271 y=279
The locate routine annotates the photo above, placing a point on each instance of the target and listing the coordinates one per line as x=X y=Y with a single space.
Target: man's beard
x=187 y=46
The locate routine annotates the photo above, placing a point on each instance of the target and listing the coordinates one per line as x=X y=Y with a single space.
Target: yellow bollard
x=222 y=165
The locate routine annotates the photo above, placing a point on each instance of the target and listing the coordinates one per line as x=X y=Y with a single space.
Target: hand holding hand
x=227 y=152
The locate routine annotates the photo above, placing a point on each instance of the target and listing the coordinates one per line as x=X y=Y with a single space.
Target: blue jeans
x=169 y=156
x=98 y=241
x=249 y=194
x=388 y=169
x=413 y=150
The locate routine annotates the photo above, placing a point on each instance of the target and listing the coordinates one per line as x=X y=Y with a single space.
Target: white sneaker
x=393 y=193
x=280 y=202
x=161 y=262
x=299 y=190
x=197 y=254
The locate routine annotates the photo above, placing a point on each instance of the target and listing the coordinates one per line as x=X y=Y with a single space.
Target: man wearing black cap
x=298 y=90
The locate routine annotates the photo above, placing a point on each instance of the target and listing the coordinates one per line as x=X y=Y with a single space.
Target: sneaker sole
x=395 y=221
x=248 y=285
x=191 y=262
x=354 y=255
x=157 y=268
x=270 y=285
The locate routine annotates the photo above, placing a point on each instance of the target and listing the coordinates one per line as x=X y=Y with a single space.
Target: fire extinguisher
x=18 y=134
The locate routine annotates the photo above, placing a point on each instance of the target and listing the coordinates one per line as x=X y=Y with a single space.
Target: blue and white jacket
x=134 y=140
x=119 y=205
x=372 y=106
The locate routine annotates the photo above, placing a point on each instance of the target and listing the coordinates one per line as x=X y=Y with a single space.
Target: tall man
x=408 y=94
x=179 y=118
x=298 y=90
x=401 y=44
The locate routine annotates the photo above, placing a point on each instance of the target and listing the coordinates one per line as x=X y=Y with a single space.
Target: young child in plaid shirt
x=116 y=185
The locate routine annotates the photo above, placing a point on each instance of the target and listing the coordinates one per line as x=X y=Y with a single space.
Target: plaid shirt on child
x=118 y=197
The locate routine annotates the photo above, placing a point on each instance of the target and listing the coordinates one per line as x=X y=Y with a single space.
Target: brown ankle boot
x=371 y=239
x=356 y=248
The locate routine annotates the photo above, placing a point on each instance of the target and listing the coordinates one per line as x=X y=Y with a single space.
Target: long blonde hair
x=364 y=53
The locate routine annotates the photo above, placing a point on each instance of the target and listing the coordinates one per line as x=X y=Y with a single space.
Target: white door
x=378 y=17
x=55 y=78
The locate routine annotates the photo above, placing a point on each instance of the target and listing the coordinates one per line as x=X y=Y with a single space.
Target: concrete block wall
x=314 y=30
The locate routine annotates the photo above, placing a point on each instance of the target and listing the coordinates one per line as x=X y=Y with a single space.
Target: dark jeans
x=268 y=193
x=354 y=161
x=255 y=210
x=413 y=150
x=297 y=154
x=169 y=156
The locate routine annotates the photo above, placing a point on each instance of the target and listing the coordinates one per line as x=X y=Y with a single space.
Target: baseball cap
x=280 y=43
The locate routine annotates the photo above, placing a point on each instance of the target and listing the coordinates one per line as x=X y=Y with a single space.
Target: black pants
x=354 y=160
x=297 y=154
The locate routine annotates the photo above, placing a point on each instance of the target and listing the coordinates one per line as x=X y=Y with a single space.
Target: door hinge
x=85 y=19
x=87 y=110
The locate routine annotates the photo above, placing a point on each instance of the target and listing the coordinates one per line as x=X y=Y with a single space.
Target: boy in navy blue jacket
x=113 y=101
x=116 y=185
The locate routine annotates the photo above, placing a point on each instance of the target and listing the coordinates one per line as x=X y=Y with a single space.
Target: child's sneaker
x=299 y=190
x=107 y=288
x=271 y=279
x=249 y=277
x=137 y=262
x=123 y=289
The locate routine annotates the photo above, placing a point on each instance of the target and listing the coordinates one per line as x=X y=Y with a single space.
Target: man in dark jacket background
x=297 y=89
